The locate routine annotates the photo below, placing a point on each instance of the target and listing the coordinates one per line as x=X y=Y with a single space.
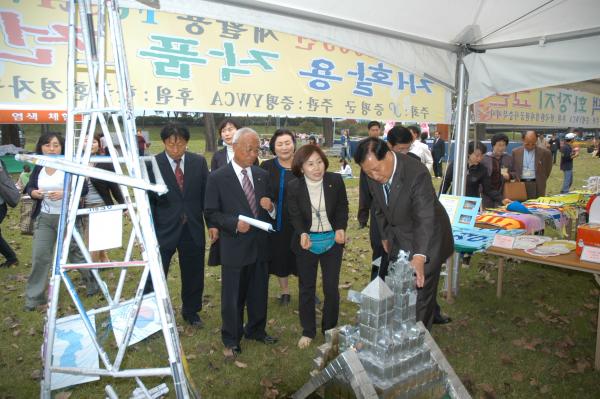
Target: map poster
x=73 y=347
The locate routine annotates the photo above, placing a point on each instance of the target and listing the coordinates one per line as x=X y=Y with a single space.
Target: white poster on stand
x=106 y=230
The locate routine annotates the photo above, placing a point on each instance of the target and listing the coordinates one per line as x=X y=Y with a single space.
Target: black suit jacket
x=300 y=211
x=225 y=201
x=438 y=148
x=219 y=159
x=170 y=209
x=106 y=189
x=414 y=220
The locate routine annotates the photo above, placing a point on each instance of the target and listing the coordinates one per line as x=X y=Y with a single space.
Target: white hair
x=242 y=132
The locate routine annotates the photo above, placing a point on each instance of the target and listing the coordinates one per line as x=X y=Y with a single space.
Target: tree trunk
x=210 y=132
x=328 y=131
x=480 y=131
x=10 y=135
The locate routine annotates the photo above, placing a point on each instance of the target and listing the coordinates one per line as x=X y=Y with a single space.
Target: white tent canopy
x=526 y=43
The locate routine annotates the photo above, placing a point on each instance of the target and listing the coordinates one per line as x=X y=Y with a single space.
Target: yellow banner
x=195 y=64
x=542 y=107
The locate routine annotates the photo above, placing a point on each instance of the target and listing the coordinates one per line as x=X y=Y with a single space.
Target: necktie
x=179 y=174
x=249 y=191
x=386 y=189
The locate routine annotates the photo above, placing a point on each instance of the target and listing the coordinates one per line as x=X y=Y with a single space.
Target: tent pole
x=461 y=130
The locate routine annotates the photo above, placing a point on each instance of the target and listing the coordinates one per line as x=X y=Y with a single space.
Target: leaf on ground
x=63 y=395
x=517 y=376
x=519 y=342
x=589 y=306
x=270 y=393
x=544 y=389
x=533 y=382
x=240 y=364
x=36 y=374
x=345 y=286
x=488 y=390
x=582 y=365
x=506 y=360
x=265 y=382
x=271 y=322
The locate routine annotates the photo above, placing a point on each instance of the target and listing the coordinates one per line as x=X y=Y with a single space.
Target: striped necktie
x=386 y=189
x=249 y=191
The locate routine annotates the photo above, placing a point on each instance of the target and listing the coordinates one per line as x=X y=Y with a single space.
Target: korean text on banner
x=195 y=64
x=554 y=107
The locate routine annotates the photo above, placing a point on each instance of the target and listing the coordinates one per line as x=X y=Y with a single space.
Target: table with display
x=569 y=261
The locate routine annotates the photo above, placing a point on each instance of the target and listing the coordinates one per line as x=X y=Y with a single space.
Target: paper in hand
x=259 y=224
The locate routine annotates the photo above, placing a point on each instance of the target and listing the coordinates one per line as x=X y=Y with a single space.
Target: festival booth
x=378 y=56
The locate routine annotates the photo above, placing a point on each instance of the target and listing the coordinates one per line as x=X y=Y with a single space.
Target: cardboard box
x=589 y=233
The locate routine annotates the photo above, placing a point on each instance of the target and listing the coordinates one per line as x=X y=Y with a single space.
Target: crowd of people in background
x=307 y=206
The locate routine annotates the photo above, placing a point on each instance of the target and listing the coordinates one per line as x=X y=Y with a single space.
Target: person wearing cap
x=532 y=165
x=567 y=153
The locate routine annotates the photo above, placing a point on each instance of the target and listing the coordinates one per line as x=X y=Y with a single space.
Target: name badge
x=528 y=174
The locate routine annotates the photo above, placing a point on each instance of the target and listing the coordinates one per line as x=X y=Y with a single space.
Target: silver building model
x=390 y=348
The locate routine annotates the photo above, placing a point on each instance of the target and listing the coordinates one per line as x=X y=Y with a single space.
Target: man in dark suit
x=366 y=210
x=179 y=218
x=437 y=152
x=532 y=165
x=240 y=188
x=409 y=215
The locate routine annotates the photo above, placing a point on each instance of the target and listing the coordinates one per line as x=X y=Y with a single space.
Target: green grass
x=486 y=343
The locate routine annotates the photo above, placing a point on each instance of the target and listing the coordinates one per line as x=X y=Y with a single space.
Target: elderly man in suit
x=179 y=216
x=241 y=188
x=409 y=215
x=532 y=165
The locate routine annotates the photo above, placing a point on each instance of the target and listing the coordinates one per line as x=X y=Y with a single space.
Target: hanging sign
x=554 y=107
x=196 y=64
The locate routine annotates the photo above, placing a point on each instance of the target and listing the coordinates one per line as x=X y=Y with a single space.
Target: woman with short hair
x=318 y=208
x=226 y=129
x=498 y=164
x=45 y=187
x=283 y=260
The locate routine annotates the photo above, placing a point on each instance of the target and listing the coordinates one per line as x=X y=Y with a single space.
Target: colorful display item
x=589 y=234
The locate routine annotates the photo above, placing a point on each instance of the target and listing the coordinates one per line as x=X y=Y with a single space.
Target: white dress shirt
x=422 y=151
x=174 y=164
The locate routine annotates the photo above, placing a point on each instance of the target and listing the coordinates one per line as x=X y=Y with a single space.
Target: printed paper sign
x=590 y=254
x=503 y=241
x=106 y=230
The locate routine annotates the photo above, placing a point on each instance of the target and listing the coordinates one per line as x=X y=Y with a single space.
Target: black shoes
x=193 y=320
x=285 y=299
x=441 y=319
x=9 y=263
x=267 y=340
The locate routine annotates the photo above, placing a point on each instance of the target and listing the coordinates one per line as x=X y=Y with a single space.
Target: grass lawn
x=537 y=341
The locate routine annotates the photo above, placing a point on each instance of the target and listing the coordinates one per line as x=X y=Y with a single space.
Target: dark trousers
x=245 y=286
x=437 y=167
x=426 y=296
x=5 y=249
x=382 y=270
x=554 y=156
x=331 y=262
x=378 y=250
x=191 y=265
